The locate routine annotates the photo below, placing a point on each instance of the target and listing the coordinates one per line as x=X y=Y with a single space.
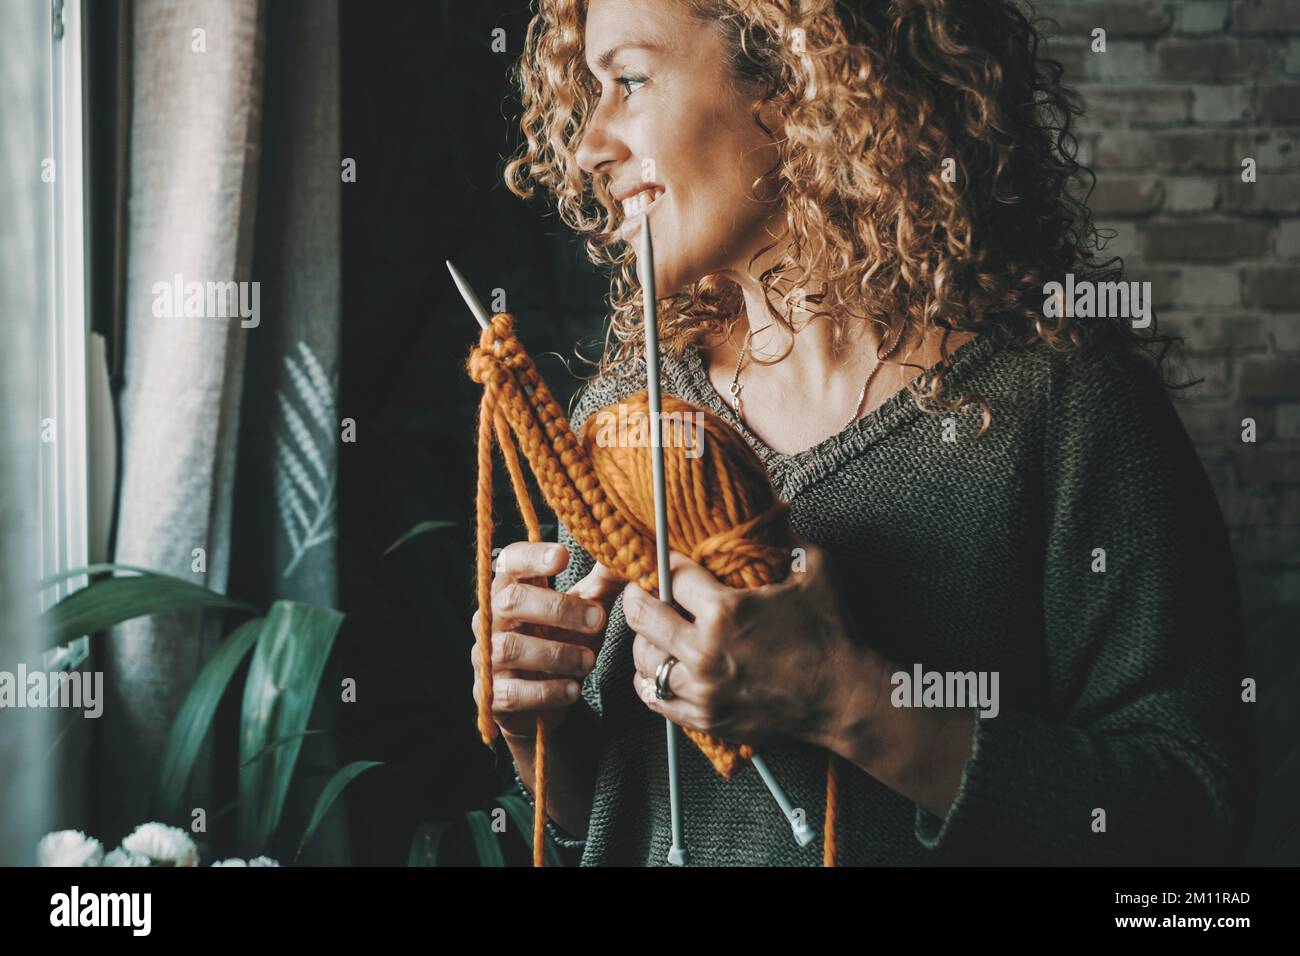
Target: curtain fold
x=229 y=423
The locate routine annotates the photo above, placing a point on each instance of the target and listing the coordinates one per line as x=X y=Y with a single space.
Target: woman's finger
x=694 y=588
x=647 y=659
x=659 y=623
x=529 y=603
x=528 y=559
x=601 y=584
x=511 y=694
x=527 y=653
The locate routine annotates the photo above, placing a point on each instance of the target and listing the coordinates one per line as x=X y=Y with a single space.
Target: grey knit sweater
x=1122 y=736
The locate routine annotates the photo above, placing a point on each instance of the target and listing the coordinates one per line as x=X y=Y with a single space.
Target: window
x=64 y=460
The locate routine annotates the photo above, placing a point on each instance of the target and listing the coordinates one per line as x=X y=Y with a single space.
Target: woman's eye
x=626 y=81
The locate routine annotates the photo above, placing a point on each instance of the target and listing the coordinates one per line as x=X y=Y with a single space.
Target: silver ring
x=662 y=690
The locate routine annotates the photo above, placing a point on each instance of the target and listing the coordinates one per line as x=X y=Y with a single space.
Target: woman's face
x=672 y=127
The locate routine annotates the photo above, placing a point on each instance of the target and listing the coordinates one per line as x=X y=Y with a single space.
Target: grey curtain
x=232 y=176
x=25 y=771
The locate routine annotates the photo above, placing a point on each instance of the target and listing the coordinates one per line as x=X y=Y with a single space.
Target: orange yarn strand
x=722 y=510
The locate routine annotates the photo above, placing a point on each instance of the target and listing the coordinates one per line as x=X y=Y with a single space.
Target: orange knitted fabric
x=722 y=510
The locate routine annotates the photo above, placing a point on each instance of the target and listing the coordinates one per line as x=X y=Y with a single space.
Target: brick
x=1265 y=547
x=1272 y=288
x=1197 y=150
x=1137 y=105
x=1201 y=17
x=1217 y=59
x=1072 y=56
x=1120 y=195
x=1191 y=194
x=1266 y=16
x=1123 y=62
x=1210 y=425
x=1289 y=510
x=1143 y=18
x=1216 y=374
x=1194 y=287
x=1206 y=240
x=1124 y=149
x=1288 y=422
x=1223 y=104
x=1174 y=150
x=1253 y=507
x=1270 y=464
x=1288 y=239
x=1284 y=334
x=1271 y=194
x=1217 y=334
x=1122 y=239
x=1271 y=380
x=1272 y=149
x=1215 y=424
x=1278 y=103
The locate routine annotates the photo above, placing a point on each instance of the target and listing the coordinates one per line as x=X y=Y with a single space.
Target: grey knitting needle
x=468 y=295
x=677 y=855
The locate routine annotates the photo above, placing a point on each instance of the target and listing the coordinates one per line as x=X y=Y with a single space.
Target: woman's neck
x=811 y=356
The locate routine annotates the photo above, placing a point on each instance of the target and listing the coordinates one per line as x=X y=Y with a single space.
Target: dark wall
x=428 y=117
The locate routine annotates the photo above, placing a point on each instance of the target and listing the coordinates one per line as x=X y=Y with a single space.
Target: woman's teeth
x=636 y=205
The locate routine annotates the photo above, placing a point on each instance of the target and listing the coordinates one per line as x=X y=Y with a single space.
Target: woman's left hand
x=760 y=663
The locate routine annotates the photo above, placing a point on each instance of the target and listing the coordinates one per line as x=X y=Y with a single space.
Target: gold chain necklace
x=736 y=387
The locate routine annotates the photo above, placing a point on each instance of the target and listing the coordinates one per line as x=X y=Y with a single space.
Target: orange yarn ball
x=721 y=508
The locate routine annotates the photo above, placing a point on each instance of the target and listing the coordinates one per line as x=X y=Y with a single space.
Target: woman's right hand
x=540 y=676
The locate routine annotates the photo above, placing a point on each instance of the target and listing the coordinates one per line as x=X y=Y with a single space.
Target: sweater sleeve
x=1144 y=751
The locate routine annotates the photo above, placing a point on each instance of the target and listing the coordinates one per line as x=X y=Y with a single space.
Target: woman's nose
x=599 y=146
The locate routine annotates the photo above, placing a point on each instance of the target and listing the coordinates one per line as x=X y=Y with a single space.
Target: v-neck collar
x=795 y=471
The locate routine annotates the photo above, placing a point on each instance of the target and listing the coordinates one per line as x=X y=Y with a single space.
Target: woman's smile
x=644 y=200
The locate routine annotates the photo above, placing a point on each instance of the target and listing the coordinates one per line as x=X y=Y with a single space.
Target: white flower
x=262 y=861
x=69 y=848
x=121 y=857
x=233 y=861
x=163 y=845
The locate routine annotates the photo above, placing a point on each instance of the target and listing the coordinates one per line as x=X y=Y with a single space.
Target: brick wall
x=1184 y=92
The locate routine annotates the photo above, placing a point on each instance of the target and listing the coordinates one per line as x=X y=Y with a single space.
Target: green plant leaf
x=485 y=841
x=424 y=527
x=336 y=784
x=521 y=814
x=277 y=743
x=101 y=604
x=196 y=713
x=91 y=570
x=426 y=843
x=279 y=692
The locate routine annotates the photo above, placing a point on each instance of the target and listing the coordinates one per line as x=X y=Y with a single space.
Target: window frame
x=64 y=464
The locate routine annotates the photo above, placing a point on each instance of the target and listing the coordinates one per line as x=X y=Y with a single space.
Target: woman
x=1016 y=619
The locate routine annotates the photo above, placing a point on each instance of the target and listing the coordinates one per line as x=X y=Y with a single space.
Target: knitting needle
x=677 y=854
x=468 y=295
x=802 y=833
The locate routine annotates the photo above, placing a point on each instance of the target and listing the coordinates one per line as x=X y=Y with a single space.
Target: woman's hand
x=756 y=664
x=533 y=675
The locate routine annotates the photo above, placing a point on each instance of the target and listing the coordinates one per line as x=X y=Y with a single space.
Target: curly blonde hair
x=875 y=97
